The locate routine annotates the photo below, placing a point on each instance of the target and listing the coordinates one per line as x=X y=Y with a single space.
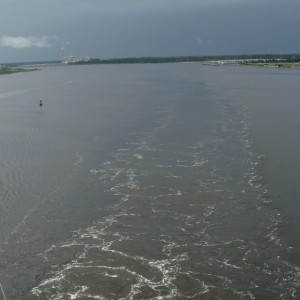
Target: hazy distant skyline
x=34 y=30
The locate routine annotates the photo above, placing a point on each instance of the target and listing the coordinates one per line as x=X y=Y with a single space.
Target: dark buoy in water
x=41 y=103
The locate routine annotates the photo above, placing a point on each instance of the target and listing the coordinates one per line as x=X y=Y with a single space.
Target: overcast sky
x=33 y=30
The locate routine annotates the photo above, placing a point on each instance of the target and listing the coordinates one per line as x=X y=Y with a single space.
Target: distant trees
x=268 y=58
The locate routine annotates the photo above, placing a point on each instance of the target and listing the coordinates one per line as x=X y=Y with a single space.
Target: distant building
x=69 y=59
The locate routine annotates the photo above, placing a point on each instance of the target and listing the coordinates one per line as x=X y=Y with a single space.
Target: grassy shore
x=8 y=70
x=273 y=65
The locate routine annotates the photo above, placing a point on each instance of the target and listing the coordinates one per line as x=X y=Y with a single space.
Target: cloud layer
x=22 y=42
x=130 y=28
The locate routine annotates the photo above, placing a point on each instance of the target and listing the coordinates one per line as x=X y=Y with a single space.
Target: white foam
x=173 y=176
x=94 y=172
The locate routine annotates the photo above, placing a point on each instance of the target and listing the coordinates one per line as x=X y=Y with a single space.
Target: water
x=164 y=181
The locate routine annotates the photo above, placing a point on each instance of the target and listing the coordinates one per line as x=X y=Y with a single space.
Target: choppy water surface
x=138 y=182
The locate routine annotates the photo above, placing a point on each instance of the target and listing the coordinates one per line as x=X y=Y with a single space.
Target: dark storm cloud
x=37 y=29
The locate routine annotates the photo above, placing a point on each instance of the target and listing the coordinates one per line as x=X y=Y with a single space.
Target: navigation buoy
x=41 y=103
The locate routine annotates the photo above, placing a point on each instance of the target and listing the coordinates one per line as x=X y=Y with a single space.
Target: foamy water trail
x=132 y=187
x=190 y=220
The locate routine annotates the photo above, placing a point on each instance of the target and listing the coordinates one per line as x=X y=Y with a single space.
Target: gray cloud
x=123 y=28
x=22 y=42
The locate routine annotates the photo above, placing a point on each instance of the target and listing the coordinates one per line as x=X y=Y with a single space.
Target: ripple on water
x=191 y=222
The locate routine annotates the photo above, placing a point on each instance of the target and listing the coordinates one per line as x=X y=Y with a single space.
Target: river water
x=164 y=181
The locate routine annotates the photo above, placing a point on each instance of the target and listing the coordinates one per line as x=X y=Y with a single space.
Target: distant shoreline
x=265 y=60
x=258 y=60
x=9 y=70
x=266 y=64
